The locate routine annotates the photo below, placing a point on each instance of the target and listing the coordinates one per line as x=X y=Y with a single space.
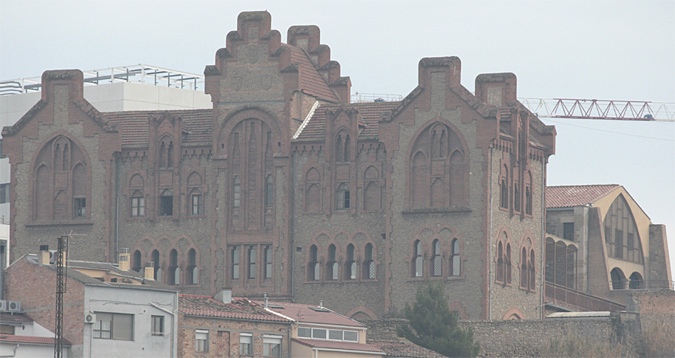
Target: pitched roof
x=576 y=195
x=241 y=309
x=369 y=113
x=304 y=313
x=30 y=340
x=134 y=126
x=311 y=81
x=405 y=349
x=14 y=318
x=337 y=345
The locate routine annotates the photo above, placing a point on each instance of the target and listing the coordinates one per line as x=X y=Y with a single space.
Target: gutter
x=489 y=278
x=173 y=320
x=13 y=353
x=117 y=208
x=317 y=350
x=542 y=238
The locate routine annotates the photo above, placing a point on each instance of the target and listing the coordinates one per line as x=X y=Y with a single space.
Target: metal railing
x=578 y=301
x=148 y=74
x=618 y=285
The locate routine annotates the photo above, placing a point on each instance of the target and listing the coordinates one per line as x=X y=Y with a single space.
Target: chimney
x=149 y=271
x=43 y=256
x=123 y=260
x=224 y=295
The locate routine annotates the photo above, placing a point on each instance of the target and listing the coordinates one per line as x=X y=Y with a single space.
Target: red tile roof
x=337 y=345
x=405 y=349
x=242 y=309
x=576 y=195
x=311 y=81
x=304 y=313
x=134 y=126
x=369 y=115
x=10 y=338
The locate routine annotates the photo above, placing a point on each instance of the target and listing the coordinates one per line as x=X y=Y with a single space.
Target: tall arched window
x=166 y=203
x=371 y=192
x=500 y=262
x=267 y=253
x=174 y=270
x=332 y=265
x=313 y=267
x=621 y=234
x=137 y=204
x=342 y=197
x=269 y=191
x=436 y=259
x=342 y=147
x=166 y=152
x=369 y=269
x=618 y=279
x=313 y=191
x=350 y=264
x=192 y=269
x=636 y=281
x=235 y=259
x=455 y=259
x=236 y=192
x=504 y=187
x=528 y=193
x=523 y=268
x=531 y=267
x=136 y=263
x=418 y=261
x=156 y=263
x=251 y=262
x=196 y=202
x=516 y=196
x=507 y=263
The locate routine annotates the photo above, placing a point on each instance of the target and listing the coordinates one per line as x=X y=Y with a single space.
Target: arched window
x=342 y=196
x=267 y=253
x=504 y=187
x=550 y=260
x=621 y=234
x=269 y=191
x=313 y=191
x=418 y=261
x=516 y=196
x=166 y=203
x=157 y=265
x=342 y=147
x=369 y=269
x=251 y=262
x=455 y=259
x=436 y=259
x=174 y=270
x=136 y=263
x=532 y=266
x=507 y=263
x=332 y=265
x=235 y=259
x=166 y=152
x=196 y=202
x=636 y=281
x=571 y=267
x=236 y=191
x=523 y=268
x=528 y=193
x=313 y=267
x=350 y=264
x=618 y=279
x=500 y=262
x=371 y=193
x=192 y=269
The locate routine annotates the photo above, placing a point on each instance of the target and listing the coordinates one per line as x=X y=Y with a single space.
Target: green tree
x=432 y=325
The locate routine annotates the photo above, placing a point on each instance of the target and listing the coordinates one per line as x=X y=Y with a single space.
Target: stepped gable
x=310 y=80
x=369 y=116
x=576 y=195
x=134 y=126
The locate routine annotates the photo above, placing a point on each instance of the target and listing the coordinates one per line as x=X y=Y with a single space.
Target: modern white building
x=125 y=88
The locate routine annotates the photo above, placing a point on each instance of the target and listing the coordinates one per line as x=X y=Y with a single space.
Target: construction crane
x=600 y=109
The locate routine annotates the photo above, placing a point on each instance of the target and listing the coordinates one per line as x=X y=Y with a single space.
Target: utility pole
x=61 y=275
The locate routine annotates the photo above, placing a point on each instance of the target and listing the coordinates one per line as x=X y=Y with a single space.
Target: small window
x=251 y=262
x=568 y=231
x=115 y=326
x=196 y=200
x=304 y=332
x=4 y=193
x=343 y=197
x=201 y=341
x=137 y=204
x=235 y=263
x=271 y=346
x=318 y=333
x=456 y=262
x=267 y=252
x=335 y=334
x=351 y=336
x=350 y=264
x=245 y=344
x=417 y=265
x=80 y=207
x=157 y=325
x=166 y=203
x=436 y=259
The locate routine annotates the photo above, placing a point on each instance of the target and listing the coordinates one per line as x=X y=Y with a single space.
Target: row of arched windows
x=526 y=267
x=619 y=281
x=342 y=266
x=250 y=262
x=345 y=199
x=505 y=194
x=194 y=206
x=435 y=262
x=561 y=263
x=174 y=270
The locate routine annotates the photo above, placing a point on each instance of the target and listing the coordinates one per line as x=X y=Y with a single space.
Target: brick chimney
x=123 y=260
x=149 y=271
x=43 y=255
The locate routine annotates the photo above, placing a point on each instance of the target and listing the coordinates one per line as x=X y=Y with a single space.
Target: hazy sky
x=622 y=50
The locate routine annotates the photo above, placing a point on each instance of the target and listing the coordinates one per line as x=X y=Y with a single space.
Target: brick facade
x=286 y=188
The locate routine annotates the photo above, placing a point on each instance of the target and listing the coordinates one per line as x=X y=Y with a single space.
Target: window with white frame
x=201 y=341
x=328 y=334
x=157 y=325
x=245 y=344
x=116 y=326
x=271 y=346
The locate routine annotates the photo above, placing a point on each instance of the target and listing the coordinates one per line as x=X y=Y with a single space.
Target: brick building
x=286 y=188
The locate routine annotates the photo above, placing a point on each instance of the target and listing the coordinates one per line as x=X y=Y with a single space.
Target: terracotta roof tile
x=369 y=115
x=311 y=81
x=316 y=343
x=405 y=350
x=576 y=195
x=304 y=313
x=134 y=126
x=243 y=309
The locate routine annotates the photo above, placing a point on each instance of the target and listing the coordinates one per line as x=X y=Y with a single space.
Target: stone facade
x=287 y=188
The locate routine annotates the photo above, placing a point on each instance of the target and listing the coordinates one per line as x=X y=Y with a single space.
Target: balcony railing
x=578 y=301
